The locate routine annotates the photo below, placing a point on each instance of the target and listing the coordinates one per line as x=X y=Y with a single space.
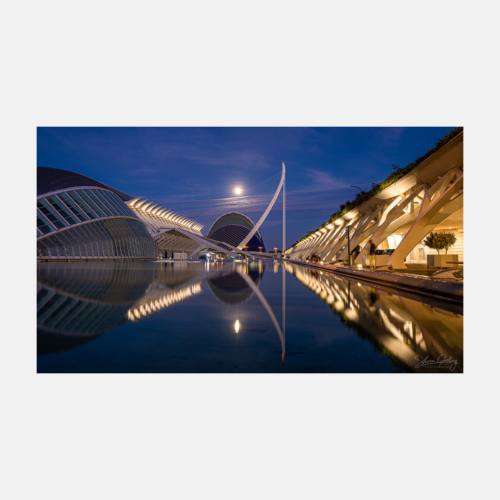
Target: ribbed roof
x=53 y=179
x=231 y=219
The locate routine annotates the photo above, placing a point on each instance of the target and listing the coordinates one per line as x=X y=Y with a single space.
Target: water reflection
x=79 y=302
x=231 y=287
x=406 y=326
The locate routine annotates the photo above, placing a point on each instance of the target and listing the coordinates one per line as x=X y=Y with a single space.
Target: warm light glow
x=351 y=314
x=237 y=326
x=237 y=190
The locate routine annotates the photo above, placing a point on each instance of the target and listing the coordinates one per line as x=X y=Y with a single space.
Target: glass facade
x=61 y=210
x=115 y=238
x=103 y=239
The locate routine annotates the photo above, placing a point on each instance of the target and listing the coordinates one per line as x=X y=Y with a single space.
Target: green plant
x=449 y=239
x=436 y=241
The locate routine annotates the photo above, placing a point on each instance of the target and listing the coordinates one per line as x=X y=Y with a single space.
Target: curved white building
x=397 y=219
x=79 y=218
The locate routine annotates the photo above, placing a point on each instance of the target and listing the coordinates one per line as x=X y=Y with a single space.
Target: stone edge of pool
x=454 y=290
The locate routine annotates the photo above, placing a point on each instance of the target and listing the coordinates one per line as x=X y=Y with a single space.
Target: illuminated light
x=237 y=190
x=322 y=262
x=339 y=305
x=283 y=358
x=237 y=326
x=351 y=314
x=359 y=265
x=359 y=284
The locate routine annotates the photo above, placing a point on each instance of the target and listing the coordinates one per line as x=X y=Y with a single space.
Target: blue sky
x=176 y=166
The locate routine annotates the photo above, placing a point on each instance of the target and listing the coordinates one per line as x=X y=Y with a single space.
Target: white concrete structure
x=175 y=233
x=429 y=198
x=268 y=209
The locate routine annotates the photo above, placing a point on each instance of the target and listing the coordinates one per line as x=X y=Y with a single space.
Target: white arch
x=265 y=214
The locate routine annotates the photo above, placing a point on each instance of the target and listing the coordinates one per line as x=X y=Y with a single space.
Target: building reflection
x=402 y=325
x=77 y=302
x=155 y=302
x=231 y=288
x=237 y=286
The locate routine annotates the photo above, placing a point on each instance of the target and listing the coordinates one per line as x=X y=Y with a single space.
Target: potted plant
x=438 y=242
x=449 y=240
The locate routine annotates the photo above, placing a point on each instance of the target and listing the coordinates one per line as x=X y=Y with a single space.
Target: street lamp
x=348 y=245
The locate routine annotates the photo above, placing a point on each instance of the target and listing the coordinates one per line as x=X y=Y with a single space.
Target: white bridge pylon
x=268 y=209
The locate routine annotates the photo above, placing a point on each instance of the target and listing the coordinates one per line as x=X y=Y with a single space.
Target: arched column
x=434 y=199
x=342 y=240
x=391 y=222
x=336 y=231
x=362 y=231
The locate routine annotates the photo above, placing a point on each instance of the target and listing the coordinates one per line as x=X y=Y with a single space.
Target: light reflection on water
x=228 y=317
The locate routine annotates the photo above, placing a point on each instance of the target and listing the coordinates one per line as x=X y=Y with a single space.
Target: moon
x=237 y=190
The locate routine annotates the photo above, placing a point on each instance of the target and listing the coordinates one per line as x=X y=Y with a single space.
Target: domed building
x=79 y=218
x=233 y=228
x=82 y=219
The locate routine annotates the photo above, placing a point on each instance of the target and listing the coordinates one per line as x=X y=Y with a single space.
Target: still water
x=257 y=317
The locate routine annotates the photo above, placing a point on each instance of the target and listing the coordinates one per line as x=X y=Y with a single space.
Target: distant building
x=233 y=228
x=79 y=218
x=428 y=198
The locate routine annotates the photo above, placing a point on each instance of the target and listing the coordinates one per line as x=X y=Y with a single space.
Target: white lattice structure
x=175 y=233
x=428 y=198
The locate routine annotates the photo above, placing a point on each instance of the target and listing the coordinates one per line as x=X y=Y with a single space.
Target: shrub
x=436 y=241
x=449 y=239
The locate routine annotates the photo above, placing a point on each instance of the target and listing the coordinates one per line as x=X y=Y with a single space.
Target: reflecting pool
x=250 y=317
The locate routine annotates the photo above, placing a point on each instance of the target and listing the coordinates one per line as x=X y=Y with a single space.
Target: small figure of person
x=372 y=254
